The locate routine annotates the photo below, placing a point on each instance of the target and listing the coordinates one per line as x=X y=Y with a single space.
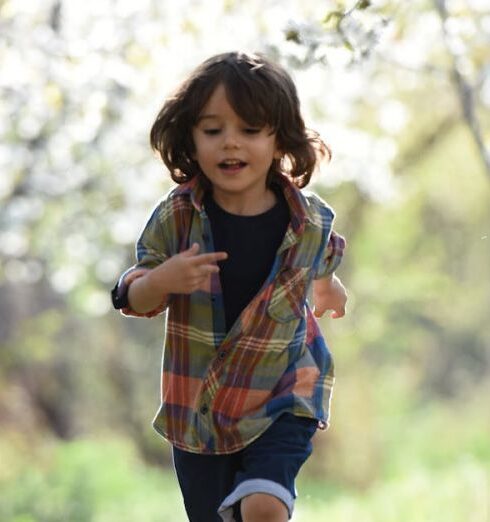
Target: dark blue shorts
x=213 y=485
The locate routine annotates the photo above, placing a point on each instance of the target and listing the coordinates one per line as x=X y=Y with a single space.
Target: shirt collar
x=297 y=203
x=194 y=190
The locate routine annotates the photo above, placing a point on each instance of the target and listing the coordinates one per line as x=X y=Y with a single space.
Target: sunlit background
x=401 y=92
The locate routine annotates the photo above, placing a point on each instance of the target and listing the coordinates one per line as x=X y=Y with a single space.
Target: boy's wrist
x=155 y=282
x=146 y=293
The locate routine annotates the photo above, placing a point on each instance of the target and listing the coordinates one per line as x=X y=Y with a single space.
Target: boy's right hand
x=186 y=272
x=329 y=294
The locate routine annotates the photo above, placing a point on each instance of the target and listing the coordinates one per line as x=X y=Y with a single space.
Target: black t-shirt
x=251 y=243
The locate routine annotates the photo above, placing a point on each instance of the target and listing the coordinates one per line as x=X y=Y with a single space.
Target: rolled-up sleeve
x=152 y=249
x=332 y=255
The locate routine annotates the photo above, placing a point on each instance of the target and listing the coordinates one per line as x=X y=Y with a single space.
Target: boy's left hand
x=329 y=294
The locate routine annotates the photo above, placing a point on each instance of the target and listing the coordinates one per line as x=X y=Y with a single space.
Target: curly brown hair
x=262 y=94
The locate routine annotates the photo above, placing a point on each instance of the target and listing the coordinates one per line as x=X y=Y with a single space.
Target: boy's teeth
x=232 y=163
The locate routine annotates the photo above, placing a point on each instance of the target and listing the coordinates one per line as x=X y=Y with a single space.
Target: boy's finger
x=192 y=251
x=209 y=269
x=206 y=259
x=318 y=313
x=337 y=314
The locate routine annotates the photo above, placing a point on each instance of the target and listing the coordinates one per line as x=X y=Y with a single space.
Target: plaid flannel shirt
x=220 y=390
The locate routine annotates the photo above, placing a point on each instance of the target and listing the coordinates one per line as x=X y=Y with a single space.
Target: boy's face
x=233 y=155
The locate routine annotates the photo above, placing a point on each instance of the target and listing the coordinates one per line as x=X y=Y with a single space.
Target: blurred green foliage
x=103 y=480
x=87 y=480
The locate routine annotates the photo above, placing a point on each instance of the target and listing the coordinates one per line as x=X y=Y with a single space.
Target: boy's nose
x=231 y=141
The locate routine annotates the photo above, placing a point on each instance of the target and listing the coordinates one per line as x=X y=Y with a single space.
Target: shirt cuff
x=119 y=294
x=334 y=253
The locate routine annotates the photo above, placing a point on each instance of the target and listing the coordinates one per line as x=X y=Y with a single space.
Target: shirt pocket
x=289 y=294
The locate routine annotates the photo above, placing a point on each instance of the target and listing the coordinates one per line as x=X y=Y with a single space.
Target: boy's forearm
x=144 y=295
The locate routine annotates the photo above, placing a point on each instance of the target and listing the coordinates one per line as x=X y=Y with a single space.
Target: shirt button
x=222 y=355
x=204 y=409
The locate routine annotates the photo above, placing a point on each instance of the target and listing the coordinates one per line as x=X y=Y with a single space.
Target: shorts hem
x=248 y=487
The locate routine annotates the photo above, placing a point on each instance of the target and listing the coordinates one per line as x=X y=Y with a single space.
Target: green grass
x=101 y=480
x=87 y=481
x=458 y=493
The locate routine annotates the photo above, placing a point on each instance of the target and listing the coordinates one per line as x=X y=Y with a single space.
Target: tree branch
x=465 y=91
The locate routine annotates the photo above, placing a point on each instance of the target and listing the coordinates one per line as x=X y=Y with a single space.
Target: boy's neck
x=250 y=206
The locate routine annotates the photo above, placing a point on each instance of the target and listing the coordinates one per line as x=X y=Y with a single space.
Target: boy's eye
x=211 y=132
x=251 y=130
